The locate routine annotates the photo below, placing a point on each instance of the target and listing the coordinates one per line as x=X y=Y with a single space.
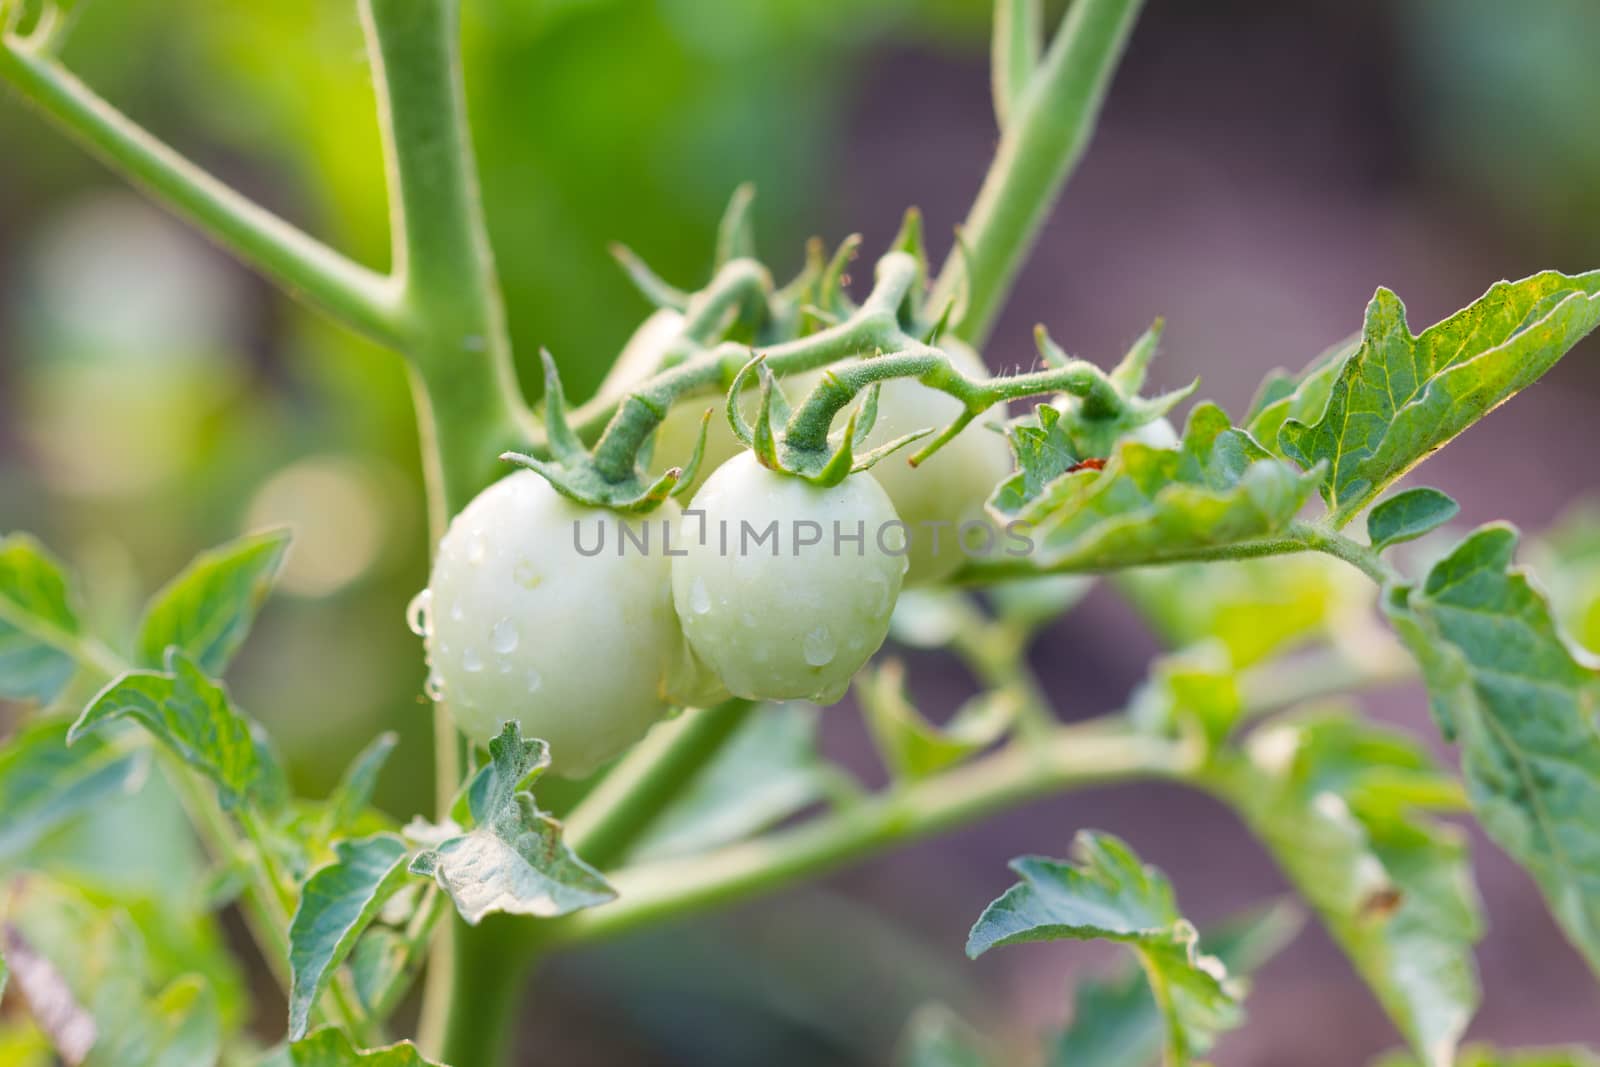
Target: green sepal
x=1409 y=515
x=650 y=285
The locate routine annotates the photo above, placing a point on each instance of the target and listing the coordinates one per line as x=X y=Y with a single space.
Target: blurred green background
x=1262 y=167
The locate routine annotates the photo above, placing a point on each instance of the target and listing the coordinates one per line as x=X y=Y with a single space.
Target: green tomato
x=525 y=620
x=939 y=497
x=774 y=617
x=1157 y=433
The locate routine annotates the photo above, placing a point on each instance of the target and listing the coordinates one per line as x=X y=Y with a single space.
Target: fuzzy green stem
x=362 y=299
x=1047 y=129
x=811 y=422
x=1074 y=756
x=636 y=414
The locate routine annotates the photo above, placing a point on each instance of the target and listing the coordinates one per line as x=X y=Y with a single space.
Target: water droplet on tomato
x=434 y=686
x=471 y=662
x=475 y=548
x=534 y=681
x=503 y=638
x=699 y=598
x=819 y=647
x=525 y=573
x=418 y=613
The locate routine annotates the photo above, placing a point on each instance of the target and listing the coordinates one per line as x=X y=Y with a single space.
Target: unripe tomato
x=1157 y=433
x=938 y=497
x=525 y=620
x=775 y=618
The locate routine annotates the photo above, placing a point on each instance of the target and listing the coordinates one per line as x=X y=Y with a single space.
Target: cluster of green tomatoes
x=588 y=625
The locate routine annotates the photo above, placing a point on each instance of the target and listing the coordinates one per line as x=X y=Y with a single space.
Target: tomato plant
x=635 y=601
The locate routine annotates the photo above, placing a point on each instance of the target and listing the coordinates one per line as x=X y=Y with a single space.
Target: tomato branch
x=356 y=296
x=1048 y=122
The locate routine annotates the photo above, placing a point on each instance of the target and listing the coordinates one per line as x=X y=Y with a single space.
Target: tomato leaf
x=337 y=903
x=1108 y=893
x=1300 y=396
x=43 y=783
x=38 y=626
x=1153 y=505
x=377 y=961
x=1409 y=515
x=1335 y=800
x=768 y=771
x=513 y=859
x=207 y=609
x=1116 y=1022
x=351 y=797
x=1506 y=686
x=192 y=715
x=1403 y=395
x=331 y=1048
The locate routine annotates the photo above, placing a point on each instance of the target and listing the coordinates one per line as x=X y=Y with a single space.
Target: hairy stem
x=1074 y=756
x=1047 y=128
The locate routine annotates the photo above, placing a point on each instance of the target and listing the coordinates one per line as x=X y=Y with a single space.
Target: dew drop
x=475 y=548
x=818 y=647
x=457 y=612
x=503 y=638
x=471 y=662
x=525 y=573
x=434 y=686
x=699 y=598
x=534 y=681
x=418 y=613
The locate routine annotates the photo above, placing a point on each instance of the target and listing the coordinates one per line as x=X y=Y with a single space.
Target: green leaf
x=1116 y=1022
x=337 y=903
x=911 y=746
x=766 y=772
x=1297 y=396
x=191 y=714
x=351 y=797
x=1336 y=802
x=330 y=1048
x=1402 y=396
x=935 y=1037
x=378 y=959
x=1409 y=515
x=207 y=610
x=1154 y=505
x=39 y=629
x=513 y=859
x=43 y=783
x=1108 y=893
x=1504 y=684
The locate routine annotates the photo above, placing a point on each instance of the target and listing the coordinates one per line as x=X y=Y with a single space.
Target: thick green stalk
x=469 y=406
x=611 y=820
x=1046 y=131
